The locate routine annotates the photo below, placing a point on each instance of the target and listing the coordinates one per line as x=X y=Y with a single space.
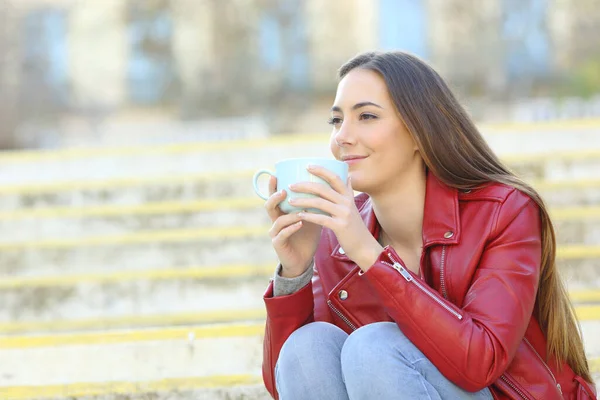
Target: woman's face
x=369 y=135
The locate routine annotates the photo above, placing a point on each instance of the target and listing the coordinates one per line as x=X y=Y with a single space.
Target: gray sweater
x=286 y=286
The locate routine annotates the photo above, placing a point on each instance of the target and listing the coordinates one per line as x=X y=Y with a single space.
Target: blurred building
x=235 y=57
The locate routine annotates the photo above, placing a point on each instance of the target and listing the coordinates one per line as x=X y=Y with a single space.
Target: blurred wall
x=278 y=58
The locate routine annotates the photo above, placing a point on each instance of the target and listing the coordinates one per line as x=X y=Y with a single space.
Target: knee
x=370 y=350
x=367 y=345
x=309 y=363
x=316 y=338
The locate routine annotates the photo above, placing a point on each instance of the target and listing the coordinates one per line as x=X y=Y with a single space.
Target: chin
x=358 y=185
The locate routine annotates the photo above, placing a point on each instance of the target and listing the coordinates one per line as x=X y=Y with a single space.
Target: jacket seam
x=495 y=230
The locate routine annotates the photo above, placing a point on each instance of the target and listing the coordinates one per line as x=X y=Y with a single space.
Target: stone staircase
x=138 y=273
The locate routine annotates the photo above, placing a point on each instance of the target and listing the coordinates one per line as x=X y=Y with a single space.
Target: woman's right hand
x=294 y=241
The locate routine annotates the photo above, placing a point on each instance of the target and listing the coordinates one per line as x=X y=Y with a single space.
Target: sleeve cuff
x=286 y=286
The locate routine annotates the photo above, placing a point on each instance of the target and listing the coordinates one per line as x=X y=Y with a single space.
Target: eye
x=334 y=121
x=366 y=116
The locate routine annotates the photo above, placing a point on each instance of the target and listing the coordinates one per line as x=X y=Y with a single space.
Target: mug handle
x=255 y=182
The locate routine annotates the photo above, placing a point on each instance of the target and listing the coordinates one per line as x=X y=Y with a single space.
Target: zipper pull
x=559 y=388
x=398 y=267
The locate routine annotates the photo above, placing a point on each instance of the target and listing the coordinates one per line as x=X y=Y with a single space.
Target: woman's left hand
x=344 y=220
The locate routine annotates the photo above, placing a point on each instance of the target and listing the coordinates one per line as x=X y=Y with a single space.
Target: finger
x=272 y=204
x=349 y=186
x=320 y=189
x=314 y=202
x=282 y=222
x=272 y=184
x=288 y=231
x=319 y=219
x=334 y=181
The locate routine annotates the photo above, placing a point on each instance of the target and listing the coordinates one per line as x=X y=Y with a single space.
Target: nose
x=344 y=136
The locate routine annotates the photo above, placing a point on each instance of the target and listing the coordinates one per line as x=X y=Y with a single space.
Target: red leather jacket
x=469 y=312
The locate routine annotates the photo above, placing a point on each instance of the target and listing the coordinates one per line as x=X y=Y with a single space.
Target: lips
x=350 y=158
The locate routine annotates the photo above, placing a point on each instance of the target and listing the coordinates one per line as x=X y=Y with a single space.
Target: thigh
x=391 y=350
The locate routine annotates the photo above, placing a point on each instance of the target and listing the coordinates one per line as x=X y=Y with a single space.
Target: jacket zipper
x=442 y=280
x=342 y=316
x=544 y=364
x=408 y=277
x=513 y=387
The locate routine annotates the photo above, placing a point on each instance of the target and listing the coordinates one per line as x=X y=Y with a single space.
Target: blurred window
x=402 y=26
x=150 y=69
x=45 y=58
x=284 y=42
x=526 y=34
x=270 y=41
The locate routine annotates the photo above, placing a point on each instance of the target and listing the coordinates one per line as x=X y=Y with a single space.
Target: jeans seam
x=413 y=363
x=423 y=380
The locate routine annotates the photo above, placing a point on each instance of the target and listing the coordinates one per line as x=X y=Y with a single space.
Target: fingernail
x=300 y=215
x=291 y=200
x=311 y=167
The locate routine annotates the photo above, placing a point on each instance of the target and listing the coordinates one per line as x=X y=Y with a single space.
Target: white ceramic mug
x=293 y=170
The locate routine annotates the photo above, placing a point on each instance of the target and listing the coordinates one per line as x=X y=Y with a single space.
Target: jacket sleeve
x=473 y=345
x=285 y=314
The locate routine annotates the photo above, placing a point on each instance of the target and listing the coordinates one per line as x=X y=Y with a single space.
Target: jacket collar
x=441 y=219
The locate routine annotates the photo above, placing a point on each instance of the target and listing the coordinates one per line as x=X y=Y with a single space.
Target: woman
x=438 y=281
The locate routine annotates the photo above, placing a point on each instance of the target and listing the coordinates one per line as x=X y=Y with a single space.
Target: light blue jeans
x=320 y=361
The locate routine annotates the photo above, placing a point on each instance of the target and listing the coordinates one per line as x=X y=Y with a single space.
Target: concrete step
x=255 y=249
x=127 y=192
x=557 y=169
x=228 y=388
x=242 y=154
x=202 y=158
x=584 y=312
x=111 y=301
x=131 y=356
x=49 y=228
x=575 y=224
x=571 y=193
x=175 y=356
x=132 y=303
x=577 y=232
x=171 y=249
x=224 y=209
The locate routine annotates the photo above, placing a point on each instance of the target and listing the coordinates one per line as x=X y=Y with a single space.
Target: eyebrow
x=357 y=106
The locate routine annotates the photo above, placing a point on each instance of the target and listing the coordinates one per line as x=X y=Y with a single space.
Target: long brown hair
x=455 y=151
